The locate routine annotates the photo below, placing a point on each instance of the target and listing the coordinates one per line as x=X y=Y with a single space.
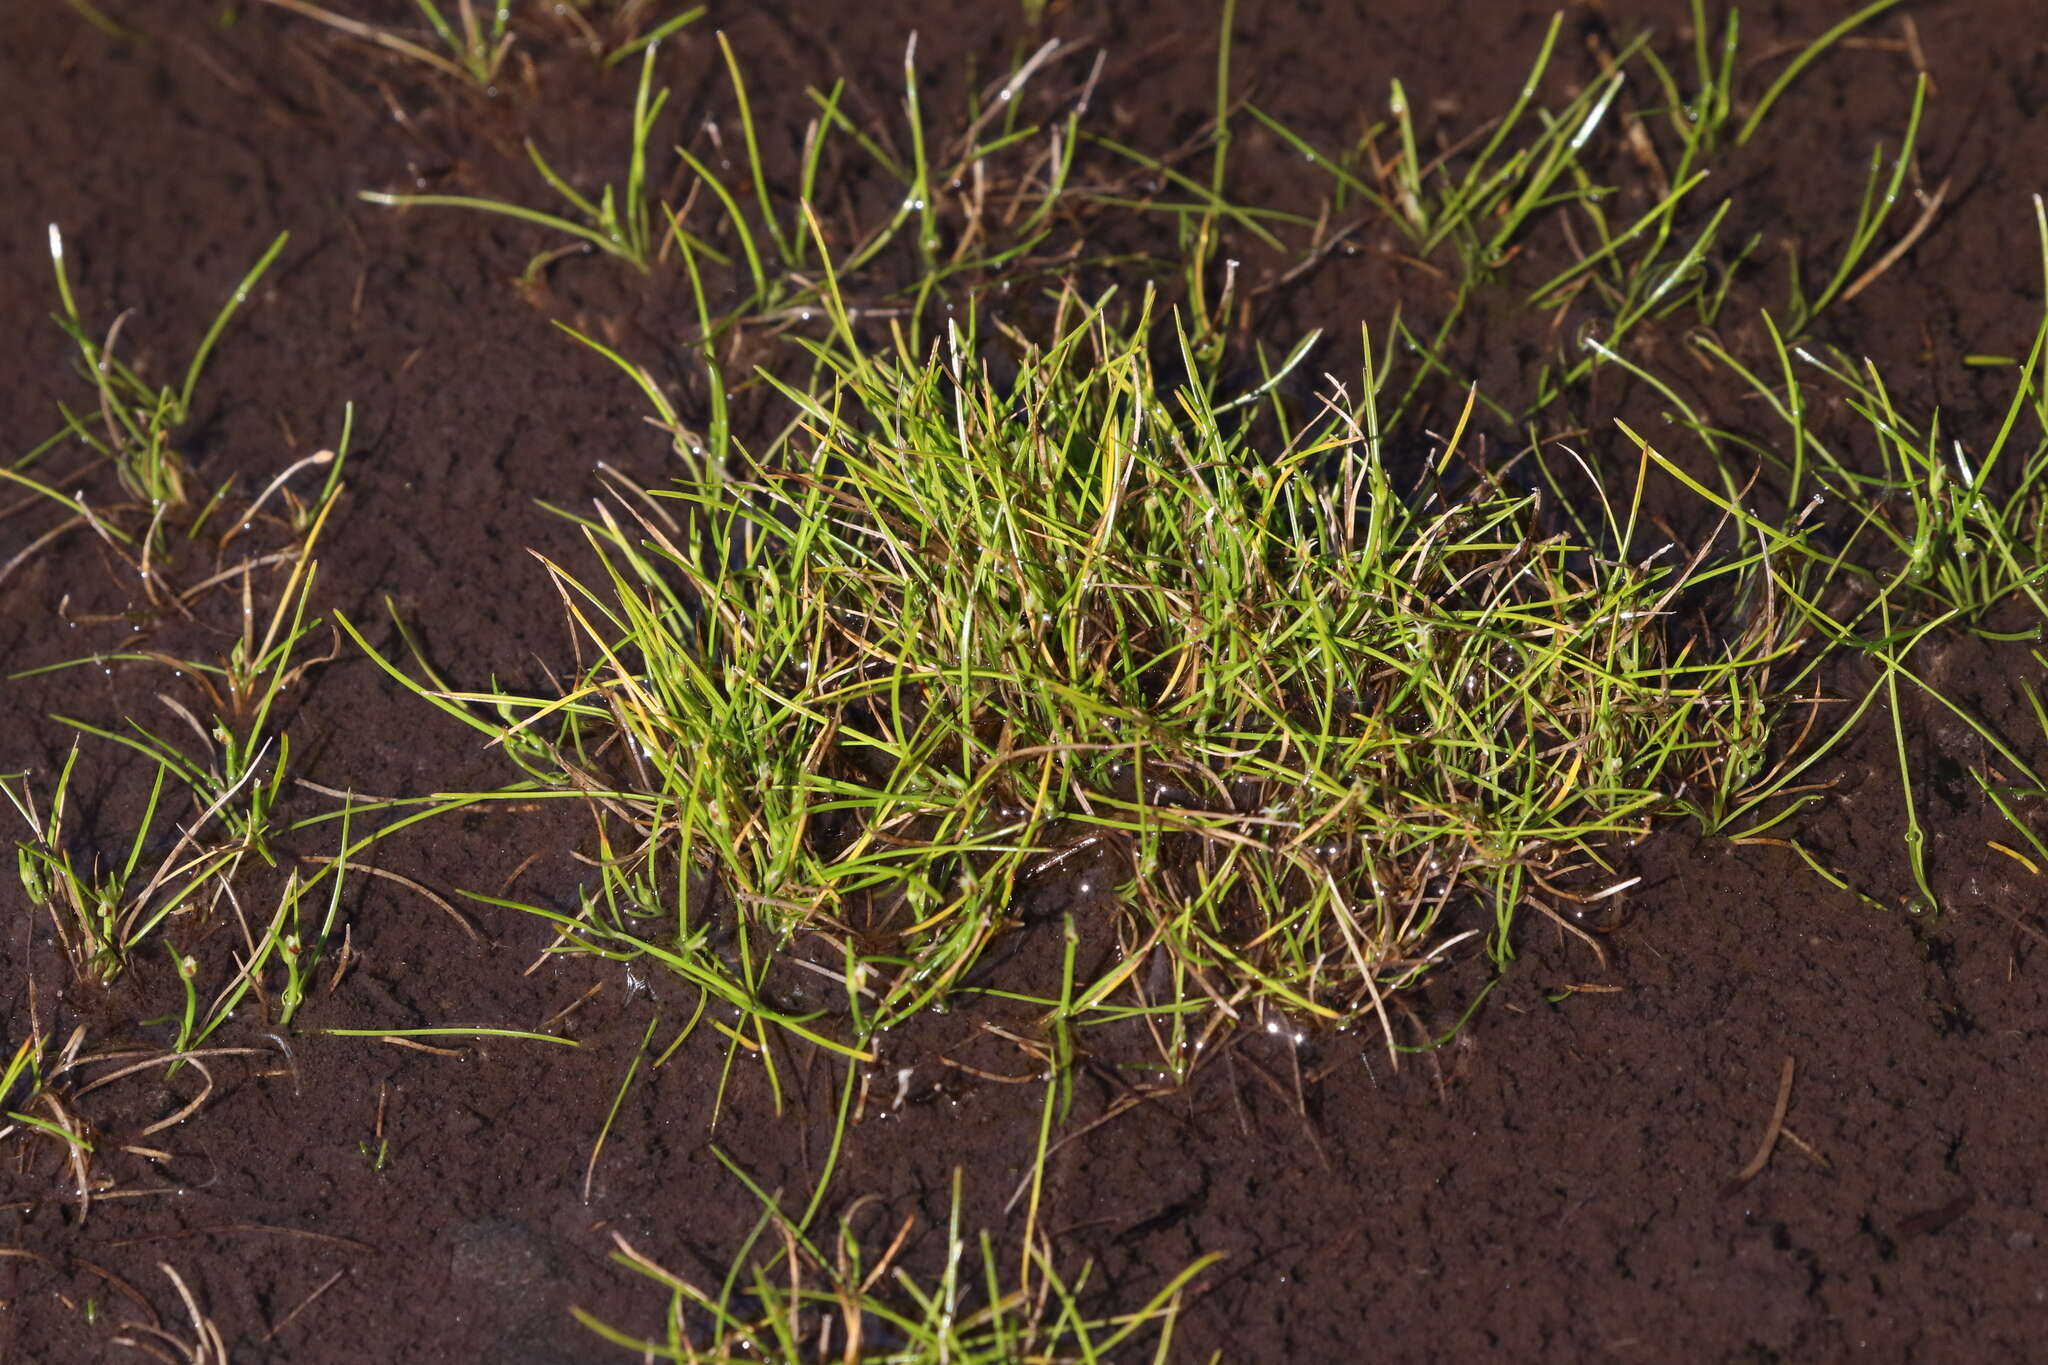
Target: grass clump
x=1292 y=718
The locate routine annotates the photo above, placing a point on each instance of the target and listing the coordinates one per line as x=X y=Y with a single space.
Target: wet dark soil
x=1558 y=1182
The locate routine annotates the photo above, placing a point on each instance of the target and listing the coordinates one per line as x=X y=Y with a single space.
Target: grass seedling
x=992 y=191
x=94 y=15
x=88 y=901
x=1880 y=194
x=1629 y=268
x=135 y=419
x=971 y=206
x=451 y=1031
x=55 y=1082
x=29 y=1083
x=1956 y=532
x=1916 y=834
x=626 y=37
x=187 y=969
x=101 y=914
x=2011 y=790
x=1935 y=535
x=1700 y=119
x=1483 y=204
x=299 y=952
x=478 y=46
x=1805 y=58
x=623 y=221
x=284 y=938
x=24 y=1086
x=618 y=1099
x=1853 y=606
x=228 y=781
x=643 y=41
x=472 y=47
x=1532 y=171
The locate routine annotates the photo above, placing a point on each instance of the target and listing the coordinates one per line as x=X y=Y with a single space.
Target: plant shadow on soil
x=1557 y=1181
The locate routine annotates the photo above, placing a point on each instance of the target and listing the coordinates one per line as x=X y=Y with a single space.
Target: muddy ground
x=1556 y=1184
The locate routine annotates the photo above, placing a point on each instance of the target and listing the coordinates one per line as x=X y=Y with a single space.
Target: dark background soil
x=1554 y=1185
